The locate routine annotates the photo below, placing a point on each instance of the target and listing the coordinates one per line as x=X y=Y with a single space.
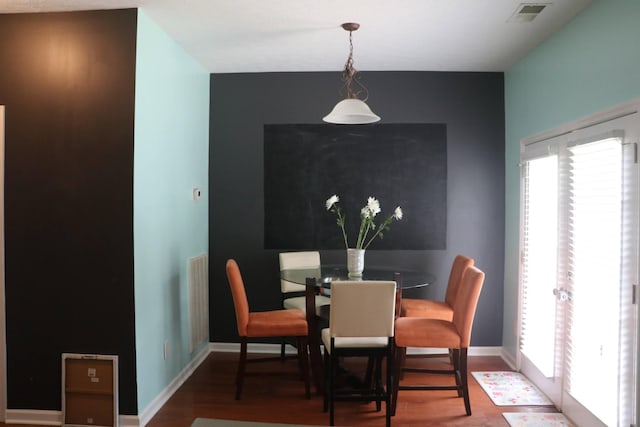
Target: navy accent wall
x=471 y=105
x=68 y=80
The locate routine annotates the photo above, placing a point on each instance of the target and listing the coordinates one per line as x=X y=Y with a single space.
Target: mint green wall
x=171 y=148
x=592 y=64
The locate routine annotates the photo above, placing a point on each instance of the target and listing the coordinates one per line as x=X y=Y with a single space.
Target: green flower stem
x=366 y=224
x=383 y=226
x=359 y=242
x=341 y=224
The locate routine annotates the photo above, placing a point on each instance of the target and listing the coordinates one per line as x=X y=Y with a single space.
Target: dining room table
x=317 y=281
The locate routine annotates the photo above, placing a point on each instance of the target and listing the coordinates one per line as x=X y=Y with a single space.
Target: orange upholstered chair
x=412 y=307
x=276 y=323
x=453 y=334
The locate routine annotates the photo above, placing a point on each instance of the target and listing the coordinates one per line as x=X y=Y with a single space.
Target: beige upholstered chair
x=292 y=293
x=291 y=297
x=412 y=307
x=454 y=334
x=275 y=323
x=361 y=323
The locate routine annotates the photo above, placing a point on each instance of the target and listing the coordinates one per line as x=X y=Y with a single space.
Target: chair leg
x=465 y=382
x=402 y=362
x=303 y=362
x=400 y=352
x=389 y=385
x=325 y=395
x=368 y=378
x=455 y=361
x=378 y=382
x=241 y=367
x=333 y=369
x=282 y=349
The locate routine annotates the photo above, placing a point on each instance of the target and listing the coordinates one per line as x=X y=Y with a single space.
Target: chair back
x=459 y=265
x=239 y=296
x=464 y=309
x=288 y=260
x=362 y=309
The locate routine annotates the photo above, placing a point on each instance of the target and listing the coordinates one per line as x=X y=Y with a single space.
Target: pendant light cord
x=349 y=75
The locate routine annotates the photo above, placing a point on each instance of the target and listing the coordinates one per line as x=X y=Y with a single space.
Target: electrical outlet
x=166 y=350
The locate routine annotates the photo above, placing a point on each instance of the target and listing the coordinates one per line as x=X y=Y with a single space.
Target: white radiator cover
x=198 y=271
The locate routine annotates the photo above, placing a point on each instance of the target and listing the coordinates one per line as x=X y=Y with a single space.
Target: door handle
x=562 y=294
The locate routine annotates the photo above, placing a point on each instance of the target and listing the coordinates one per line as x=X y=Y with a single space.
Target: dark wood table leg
x=314 y=336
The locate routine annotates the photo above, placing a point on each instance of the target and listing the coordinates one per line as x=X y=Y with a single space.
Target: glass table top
x=327 y=273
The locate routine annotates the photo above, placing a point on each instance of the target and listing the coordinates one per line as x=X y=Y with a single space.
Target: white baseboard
x=35 y=417
x=275 y=349
x=473 y=351
x=53 y=418
x=226 y=347
x=155 y=405
x=129 y=421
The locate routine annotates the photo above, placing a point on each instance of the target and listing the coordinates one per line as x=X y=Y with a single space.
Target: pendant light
x=352 y=110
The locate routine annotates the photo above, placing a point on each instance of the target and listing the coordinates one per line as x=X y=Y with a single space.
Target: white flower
x=332 y=201
x=365 y=212
x=397 y=214
x=373 y=205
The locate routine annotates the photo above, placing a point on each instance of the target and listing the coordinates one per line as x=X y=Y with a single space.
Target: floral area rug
x=536 y=419
x=507 y=388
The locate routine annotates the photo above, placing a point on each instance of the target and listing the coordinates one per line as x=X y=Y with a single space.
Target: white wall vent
x=198 y=271
x=527 y=12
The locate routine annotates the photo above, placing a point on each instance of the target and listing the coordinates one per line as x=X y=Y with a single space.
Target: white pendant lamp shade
x=351 y=112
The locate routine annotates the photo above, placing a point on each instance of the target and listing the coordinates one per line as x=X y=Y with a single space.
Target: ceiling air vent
x=527 y=12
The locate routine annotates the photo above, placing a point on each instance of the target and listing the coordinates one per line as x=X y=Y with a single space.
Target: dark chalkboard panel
x=400 y=164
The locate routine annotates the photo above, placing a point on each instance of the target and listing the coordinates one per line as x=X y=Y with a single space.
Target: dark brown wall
x=67 y=80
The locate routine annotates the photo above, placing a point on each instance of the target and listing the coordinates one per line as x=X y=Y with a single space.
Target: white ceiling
x=305 y=35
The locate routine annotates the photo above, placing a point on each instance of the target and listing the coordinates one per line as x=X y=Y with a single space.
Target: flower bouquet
x=367 y=233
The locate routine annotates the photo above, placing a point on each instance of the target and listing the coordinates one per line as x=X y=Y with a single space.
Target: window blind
x=594 y=275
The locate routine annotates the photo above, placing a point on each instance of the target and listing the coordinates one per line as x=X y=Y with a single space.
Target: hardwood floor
x=277 y=395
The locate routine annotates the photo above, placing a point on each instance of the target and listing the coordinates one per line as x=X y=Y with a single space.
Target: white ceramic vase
x=355 y=262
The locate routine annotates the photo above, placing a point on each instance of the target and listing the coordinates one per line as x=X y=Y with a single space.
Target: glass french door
x=541 y=330
x=579 y=269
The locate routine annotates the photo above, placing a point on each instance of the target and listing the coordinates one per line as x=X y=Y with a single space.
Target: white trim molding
x=34 y=417
x=54 y=418
x=155 y=405
x=225 y=347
